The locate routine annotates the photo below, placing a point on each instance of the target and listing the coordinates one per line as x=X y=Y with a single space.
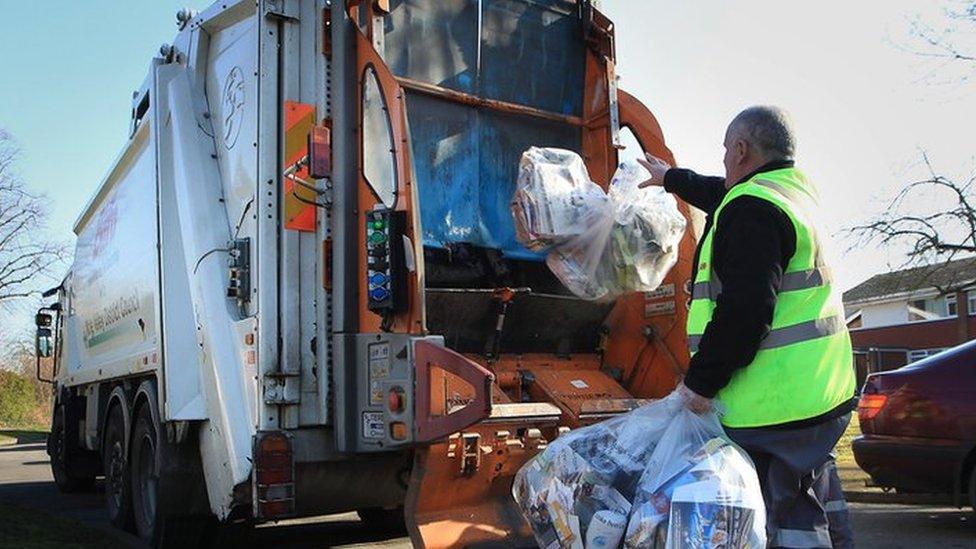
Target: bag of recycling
x=578 y=492
x=699 y=490
x=601 y=245
x=659 y=477
x=554 y=198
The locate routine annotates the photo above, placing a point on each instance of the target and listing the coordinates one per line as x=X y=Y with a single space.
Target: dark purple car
x=919 y=425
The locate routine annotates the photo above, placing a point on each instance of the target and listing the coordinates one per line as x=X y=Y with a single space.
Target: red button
x=394 y=400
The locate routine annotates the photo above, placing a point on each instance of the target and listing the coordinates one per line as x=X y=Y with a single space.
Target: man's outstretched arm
x=701 y=191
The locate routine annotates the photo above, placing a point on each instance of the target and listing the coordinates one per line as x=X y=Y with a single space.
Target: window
x=632 y=149
x=379 y=162
x=951 y=304
x=918 y=354
x=924 y=309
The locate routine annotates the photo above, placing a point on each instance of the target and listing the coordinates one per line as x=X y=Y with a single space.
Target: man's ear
x=741 y=151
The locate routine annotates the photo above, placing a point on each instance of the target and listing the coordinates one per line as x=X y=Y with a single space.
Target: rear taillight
x=870 y=405
x=274 y=476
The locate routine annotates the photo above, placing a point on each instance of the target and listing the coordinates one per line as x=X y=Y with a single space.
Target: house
x=899 y=317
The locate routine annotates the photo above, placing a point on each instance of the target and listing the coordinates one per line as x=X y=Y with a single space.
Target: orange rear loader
x=521 y=359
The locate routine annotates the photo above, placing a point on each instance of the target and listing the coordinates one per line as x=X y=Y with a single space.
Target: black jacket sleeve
x=701 y=191
x=753 y=243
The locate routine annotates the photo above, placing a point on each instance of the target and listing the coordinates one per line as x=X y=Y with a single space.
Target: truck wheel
x=66 y=479
x=145 y=473
x=384 y=520
x=156 y=525
x=972 y=488
x=118 y=496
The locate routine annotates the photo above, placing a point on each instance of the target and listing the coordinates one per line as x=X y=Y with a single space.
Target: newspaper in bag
x=554 y=198
x=579 y=491
x=698 y=490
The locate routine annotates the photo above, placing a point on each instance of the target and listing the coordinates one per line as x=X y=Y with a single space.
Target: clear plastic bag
x=586 y=479
x=554 y=199
x=600 y=245
x=667 y=474
x=699 y=490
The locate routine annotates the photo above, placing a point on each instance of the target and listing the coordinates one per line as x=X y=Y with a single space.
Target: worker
x=766 y=327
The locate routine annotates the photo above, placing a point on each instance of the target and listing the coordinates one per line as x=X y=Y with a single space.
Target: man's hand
x=657 y=167
x=693 y=401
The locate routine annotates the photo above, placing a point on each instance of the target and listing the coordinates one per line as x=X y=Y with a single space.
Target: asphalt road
x=25 y=479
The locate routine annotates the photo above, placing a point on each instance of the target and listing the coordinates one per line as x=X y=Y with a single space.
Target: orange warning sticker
x=299 y=201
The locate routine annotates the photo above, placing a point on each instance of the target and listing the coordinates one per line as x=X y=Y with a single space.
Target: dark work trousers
x=805 y=505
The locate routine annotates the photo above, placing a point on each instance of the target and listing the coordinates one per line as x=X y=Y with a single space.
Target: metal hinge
x=279 y=388
x=470 y=453
x=275 y=9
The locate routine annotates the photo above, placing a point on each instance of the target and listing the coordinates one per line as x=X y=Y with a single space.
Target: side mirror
x=43 y=338
x=43 y=343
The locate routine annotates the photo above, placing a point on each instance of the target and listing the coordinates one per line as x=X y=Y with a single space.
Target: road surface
x=25 y=479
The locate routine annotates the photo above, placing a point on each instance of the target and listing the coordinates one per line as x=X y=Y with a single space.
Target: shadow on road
x=25 y=480
x=911 y=526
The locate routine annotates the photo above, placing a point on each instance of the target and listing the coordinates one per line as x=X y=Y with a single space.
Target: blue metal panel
x=445 y=149
x=434 y=41
x=466 y=163
x=532 y=53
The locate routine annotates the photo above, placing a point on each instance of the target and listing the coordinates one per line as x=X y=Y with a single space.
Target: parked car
x=919 y=426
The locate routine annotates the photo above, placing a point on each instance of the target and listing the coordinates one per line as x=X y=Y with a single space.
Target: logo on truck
x=232 y=106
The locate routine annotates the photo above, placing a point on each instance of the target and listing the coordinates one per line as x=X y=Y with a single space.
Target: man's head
x=757 y=136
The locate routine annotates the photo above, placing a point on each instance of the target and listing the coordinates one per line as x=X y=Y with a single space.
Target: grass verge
x=30 y=529
x=23 y=435
x=852 y=477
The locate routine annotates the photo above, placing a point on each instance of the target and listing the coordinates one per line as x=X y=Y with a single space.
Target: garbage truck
x=298 y=290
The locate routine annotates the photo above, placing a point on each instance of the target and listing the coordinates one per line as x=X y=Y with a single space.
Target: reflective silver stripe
x=836 y=505
x=802 y=538
x=796 y=280
x=805 y=203
x=788 y=335
x=706 y=290
x=804 y=280
x=802 y=200
x=804 y=331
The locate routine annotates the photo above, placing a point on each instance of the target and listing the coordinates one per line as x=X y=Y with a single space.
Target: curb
x=854 y=496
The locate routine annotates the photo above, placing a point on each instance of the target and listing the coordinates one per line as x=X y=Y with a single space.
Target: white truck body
x=147 y=292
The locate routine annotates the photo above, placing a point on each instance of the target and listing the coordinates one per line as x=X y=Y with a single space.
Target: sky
x=863 y=107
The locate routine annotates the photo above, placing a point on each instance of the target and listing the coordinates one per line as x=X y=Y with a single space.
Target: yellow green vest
x=804 y=365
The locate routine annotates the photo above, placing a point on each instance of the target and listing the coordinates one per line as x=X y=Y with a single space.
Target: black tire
x=65 y=477
x=156 y=525
x=143 y=465
x=972 y=488
x=383 y=520
x=118 y=495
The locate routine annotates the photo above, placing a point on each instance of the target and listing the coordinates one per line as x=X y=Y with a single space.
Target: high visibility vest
x=804 y=366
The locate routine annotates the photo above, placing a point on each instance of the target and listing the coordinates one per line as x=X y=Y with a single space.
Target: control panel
x=385 y=276
x=378 y=406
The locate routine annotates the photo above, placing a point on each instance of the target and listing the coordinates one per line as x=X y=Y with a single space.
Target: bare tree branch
x=27 y=255
x=947 y=43
x=936 y=233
